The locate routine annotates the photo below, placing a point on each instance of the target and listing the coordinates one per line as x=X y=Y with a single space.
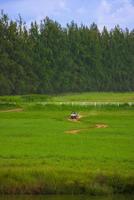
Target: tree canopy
x=49 y=58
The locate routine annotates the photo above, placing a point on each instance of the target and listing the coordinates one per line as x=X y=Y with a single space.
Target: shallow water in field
x=67 y=197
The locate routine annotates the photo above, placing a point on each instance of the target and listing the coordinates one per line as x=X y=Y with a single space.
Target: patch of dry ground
x=76 y=131
x=73 y=131
x=101 y=126
x=13 y=110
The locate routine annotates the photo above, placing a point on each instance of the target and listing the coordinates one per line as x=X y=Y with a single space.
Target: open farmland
x=72 y=97
x=42 y=151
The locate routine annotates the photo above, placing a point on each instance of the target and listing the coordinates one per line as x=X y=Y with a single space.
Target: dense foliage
x=46 y=58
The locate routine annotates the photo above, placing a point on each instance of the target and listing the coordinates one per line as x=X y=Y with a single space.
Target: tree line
x=49 y=58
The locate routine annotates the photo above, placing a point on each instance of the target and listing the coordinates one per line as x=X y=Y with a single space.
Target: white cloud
x=105 y=7
x=106 y=12
x=111 y=13
x=34 y=9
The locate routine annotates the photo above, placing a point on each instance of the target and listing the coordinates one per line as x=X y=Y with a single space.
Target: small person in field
x=74 y=115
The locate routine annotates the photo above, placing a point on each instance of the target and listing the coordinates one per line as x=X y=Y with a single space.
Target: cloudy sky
x=102 y=12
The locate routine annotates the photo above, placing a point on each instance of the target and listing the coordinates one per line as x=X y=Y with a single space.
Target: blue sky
x=102 y=12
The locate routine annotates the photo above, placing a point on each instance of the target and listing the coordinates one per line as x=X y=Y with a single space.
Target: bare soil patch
x=77 y=131
x=101 y=126
x=73 y=131
x=13 y=110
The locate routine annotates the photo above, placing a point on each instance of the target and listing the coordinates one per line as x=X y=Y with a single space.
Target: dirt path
x=101 y=125
x=73 y=131
x=77 y=131
x=12 y=110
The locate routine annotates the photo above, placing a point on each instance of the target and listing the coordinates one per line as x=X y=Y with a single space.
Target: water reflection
x=67 y=197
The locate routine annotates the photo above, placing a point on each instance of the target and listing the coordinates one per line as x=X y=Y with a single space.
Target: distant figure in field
x=74 y=115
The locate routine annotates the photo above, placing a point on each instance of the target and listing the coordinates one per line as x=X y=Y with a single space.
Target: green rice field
x=83 y=97
x=42 y=151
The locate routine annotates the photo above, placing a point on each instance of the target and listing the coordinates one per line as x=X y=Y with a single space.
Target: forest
x=46 y=58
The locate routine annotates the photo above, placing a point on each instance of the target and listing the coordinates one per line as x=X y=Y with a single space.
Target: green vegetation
x=85 y=60
x=72 y=97
x=39 y=153
x=96 y=97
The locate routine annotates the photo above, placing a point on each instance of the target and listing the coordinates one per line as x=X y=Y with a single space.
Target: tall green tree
x=47 y=58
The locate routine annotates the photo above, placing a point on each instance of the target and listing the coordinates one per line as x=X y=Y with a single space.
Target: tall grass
x=48 y=181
